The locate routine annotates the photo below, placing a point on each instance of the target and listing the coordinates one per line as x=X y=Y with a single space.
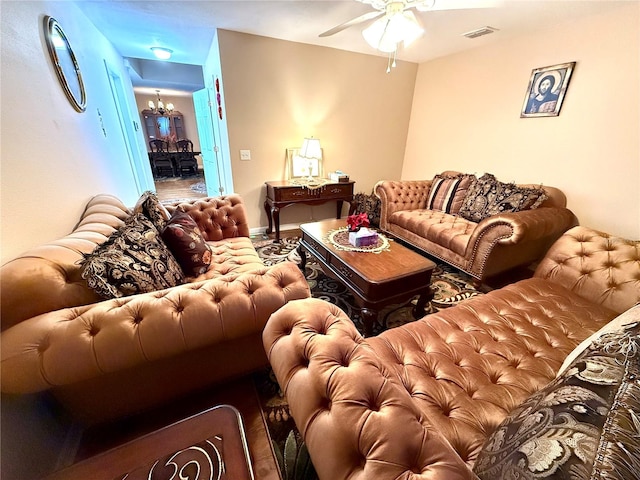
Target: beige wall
x=54 y=159
x=466 y=116
x=279 y=92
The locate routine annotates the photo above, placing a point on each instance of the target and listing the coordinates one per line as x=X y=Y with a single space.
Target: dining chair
x=185 y=158
x=160 y=158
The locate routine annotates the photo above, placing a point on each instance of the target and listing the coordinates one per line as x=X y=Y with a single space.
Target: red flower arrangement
x=356 y=221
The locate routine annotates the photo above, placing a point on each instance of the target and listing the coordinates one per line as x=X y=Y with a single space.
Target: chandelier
x=160 y=108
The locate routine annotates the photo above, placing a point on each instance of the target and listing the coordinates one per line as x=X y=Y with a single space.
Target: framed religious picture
x=546 y=90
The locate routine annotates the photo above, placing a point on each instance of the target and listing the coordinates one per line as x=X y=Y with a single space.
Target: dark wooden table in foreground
x=190 y=421
x=375 y=279
x=212 y=442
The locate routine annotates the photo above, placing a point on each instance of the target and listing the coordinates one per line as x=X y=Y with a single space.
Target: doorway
x=172 y=143
x=137 y=159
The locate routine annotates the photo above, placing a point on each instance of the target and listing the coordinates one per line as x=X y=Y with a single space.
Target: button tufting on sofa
x=492 y=246
x=472 y=365
x=115 y=357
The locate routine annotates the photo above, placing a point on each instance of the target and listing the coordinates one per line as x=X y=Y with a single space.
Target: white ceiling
x=187 y=26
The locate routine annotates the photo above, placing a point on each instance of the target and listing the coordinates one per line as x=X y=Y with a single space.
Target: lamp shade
x=311 y=148
x=387 y=32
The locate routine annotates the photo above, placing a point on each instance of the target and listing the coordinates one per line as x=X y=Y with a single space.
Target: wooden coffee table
x=375 y=279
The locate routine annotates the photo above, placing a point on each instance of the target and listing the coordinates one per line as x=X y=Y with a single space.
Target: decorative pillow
x=586 y=421
x=369 y=204
x=480 y=194
x=447 y=193
x=149 y=205
x=133 y=260
x=184 y=239
x=513 y=198
x=488 y=196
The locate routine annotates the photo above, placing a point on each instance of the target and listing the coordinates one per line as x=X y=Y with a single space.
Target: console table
x=282 y=193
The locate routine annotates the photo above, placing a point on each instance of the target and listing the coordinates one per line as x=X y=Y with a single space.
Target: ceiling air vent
x=480 y=32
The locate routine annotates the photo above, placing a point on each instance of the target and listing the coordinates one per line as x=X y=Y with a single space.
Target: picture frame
x=546 y=90
x=299 y=167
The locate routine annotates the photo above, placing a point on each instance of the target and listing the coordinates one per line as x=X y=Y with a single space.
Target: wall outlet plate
x=245 y=154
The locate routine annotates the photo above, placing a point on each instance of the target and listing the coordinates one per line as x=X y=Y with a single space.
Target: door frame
x=140 y=167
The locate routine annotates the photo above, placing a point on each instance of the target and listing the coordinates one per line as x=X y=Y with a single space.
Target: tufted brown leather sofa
x=492 y=246
x=419 y=400
x=107 y=358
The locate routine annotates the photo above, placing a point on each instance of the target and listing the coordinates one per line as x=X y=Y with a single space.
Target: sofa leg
x=481 y=286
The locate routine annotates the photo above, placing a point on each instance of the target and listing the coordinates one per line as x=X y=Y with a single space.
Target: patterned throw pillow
x=184 y=239
x=133 y=260
x=488 y=196
x=513 y=198
x=447 y=193
x=481 y=192
x=369 y=204
x=587 y=421
x=149 y=205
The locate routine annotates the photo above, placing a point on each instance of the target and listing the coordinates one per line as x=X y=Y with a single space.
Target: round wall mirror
x=65 y=63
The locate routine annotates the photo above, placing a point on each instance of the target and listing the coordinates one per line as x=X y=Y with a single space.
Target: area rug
x=450 y=286
x=199 y=187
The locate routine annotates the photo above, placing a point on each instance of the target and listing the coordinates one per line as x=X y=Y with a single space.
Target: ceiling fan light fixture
x=410 y=28
x=386 y=33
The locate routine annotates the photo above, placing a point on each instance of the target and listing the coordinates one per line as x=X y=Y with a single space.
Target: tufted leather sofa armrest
x=400 y=195
x=47 y=277
x=596 y=265
x=538 y=227
x=347 y=405
x=217 y=217
x=74 y=344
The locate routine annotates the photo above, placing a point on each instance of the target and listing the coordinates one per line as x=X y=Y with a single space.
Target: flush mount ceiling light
x=162 y=53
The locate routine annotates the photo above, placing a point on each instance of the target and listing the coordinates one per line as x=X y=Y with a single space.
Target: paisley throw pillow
x=480 y=194
x=149 y=205
x=586 y=421
x=369 y=204
x=488 y=196
x=133 y=260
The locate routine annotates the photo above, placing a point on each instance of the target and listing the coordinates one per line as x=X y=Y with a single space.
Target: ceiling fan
x=397 y=23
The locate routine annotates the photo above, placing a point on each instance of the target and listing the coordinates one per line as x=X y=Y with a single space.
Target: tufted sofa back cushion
x=218 y=218
x=598 y=266
x=413 y=195
x=47 y=277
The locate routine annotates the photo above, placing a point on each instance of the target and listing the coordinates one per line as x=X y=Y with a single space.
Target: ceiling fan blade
x=353 y=21
x=426 y=5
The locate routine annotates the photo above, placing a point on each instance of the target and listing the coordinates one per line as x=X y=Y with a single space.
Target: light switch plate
x=245 y=154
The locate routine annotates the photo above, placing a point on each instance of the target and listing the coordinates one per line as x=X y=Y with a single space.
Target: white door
x=138 y=159
x=209 y=149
